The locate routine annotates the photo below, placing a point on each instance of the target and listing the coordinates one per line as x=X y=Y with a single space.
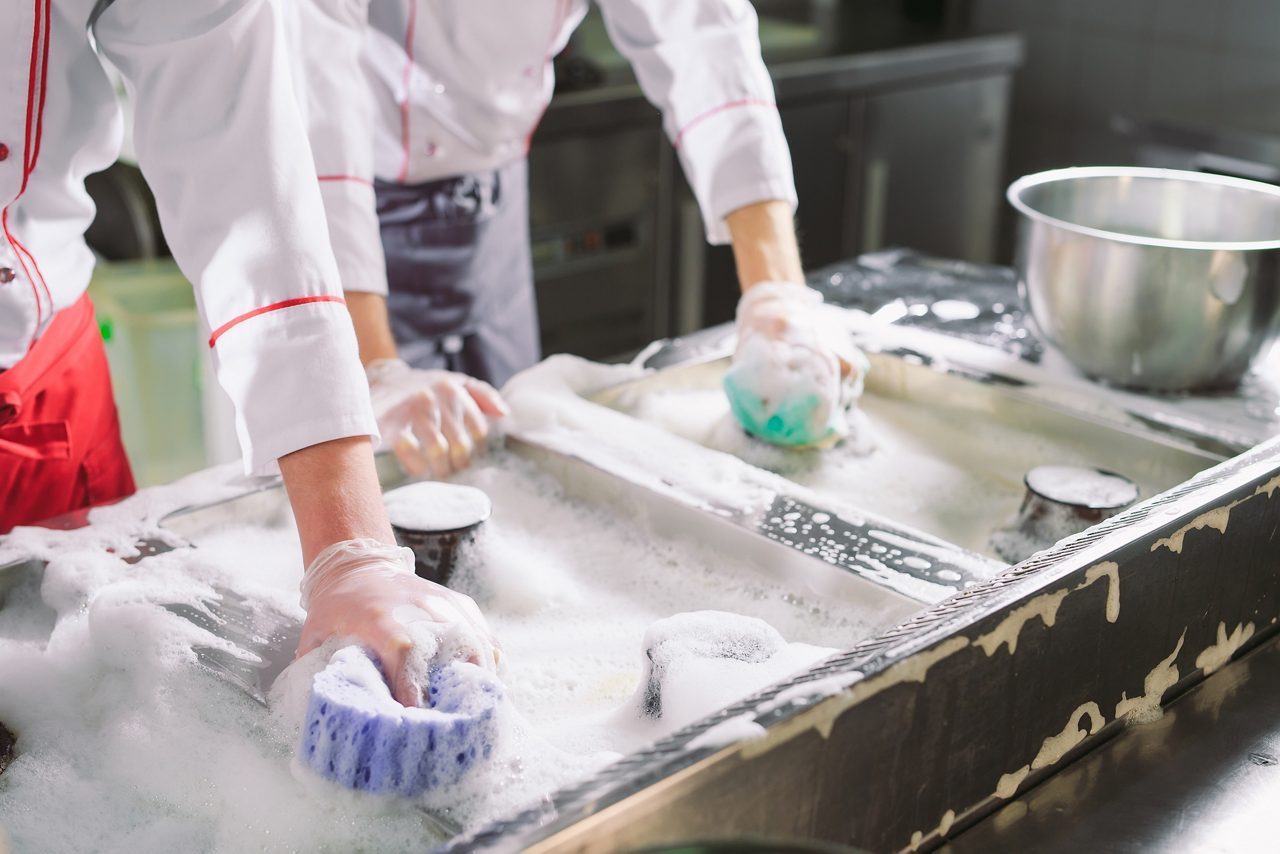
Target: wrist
x=354 y=556
x=382 y=368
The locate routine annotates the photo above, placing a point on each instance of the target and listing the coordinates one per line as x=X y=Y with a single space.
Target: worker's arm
x=222 y=145
x=764 y=244
x=700 y=64
x=434 y=421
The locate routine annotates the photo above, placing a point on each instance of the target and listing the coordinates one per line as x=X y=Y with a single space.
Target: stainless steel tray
x=954 y=447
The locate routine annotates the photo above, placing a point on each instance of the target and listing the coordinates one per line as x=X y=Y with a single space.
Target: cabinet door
x=594 y=203
x=932 y=168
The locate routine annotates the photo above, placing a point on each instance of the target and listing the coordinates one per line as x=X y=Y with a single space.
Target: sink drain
x=7 y=740
x=1061 y=501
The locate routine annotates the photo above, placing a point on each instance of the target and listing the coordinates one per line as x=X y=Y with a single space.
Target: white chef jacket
x=223 y=147
x=459 y=86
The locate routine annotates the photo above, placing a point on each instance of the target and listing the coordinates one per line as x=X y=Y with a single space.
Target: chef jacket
x=459 y=86
x=221 y=142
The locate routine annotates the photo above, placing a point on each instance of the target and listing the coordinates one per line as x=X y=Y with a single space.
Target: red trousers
x=60 y=447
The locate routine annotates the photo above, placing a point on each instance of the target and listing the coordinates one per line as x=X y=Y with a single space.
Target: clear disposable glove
x=434 y=421
x=367 y=591
x=795 y=371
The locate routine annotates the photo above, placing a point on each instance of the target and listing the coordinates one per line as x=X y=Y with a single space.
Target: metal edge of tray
x=990 y=691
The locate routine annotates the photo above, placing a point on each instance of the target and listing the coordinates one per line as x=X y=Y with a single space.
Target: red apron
x=60 y=447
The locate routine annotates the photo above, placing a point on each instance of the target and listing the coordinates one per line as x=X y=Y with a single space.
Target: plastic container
x=147 y=314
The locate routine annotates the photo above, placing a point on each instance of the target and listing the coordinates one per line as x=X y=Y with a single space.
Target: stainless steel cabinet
x=931 y=160
x=595 y=202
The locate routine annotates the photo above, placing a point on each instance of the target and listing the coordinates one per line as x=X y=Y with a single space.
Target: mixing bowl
x=1151 y=278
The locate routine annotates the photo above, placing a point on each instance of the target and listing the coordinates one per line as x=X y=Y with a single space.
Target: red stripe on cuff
x=275 y=306
x=355 y=178
x=732 y=105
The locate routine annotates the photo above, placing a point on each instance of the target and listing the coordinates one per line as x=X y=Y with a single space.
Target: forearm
x=373 y=327
x=764 y=244
x=334 y=490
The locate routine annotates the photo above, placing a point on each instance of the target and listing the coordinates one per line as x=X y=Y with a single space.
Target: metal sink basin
x=944 y=453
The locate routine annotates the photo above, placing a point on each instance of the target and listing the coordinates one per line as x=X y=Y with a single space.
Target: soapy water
x=952 y=473
x=125 y=743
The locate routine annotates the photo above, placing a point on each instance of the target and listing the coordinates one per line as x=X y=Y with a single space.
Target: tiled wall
x=1090 y=59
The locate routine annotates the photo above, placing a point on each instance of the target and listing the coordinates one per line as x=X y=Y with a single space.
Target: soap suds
x=138 y=747
x=726 y=733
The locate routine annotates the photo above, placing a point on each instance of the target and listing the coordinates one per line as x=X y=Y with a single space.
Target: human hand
x=434 y=421
x=794 y=374
x=366 y=590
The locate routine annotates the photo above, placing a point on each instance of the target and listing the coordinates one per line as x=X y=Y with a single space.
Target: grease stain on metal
x=1146 y=708
x=1111 y=571
x=823 y=716
x=1057 y=746
x=1228 y=645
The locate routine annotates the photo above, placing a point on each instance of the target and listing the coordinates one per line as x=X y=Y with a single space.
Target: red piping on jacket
x=732 y=105
x=354 y=178
x=408 y=74
x=37 y=77
x=275 y=306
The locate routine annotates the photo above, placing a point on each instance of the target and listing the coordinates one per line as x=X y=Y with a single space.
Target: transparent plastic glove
x=795 y=371
x=367 y=590
x=434 y=421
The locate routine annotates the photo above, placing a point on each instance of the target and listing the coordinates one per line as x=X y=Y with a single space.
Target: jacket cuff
x=293 y=372
x=735 y=158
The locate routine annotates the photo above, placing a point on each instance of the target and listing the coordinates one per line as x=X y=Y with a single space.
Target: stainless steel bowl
x=1151 y=278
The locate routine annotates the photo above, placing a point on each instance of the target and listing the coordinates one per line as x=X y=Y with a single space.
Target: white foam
x=434 y=506
x=124 y=740
x=726 y=733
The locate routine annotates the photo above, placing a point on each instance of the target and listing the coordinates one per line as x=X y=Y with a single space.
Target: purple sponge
x=355 y=734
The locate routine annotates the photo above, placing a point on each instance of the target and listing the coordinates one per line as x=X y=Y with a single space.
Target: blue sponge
x=356 y=735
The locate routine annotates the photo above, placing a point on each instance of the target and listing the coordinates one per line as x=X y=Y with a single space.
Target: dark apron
x=460 y=273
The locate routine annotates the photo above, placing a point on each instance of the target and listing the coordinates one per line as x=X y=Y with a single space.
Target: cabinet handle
x=875 y=197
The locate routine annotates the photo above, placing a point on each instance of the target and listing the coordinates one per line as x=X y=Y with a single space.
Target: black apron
x=460 y=272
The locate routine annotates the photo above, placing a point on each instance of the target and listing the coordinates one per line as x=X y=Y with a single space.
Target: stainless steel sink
x=944 y=453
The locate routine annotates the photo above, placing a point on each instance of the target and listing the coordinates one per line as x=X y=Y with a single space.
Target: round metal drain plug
x=1061 y=501
x=437 y=522
x=7 y=741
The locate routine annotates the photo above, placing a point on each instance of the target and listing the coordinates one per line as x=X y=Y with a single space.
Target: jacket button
x=6 y=275
x=4 y=151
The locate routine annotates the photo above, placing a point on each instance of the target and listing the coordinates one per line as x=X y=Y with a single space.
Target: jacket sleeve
x=222 y=144
x=327 y=39
x=699 y=62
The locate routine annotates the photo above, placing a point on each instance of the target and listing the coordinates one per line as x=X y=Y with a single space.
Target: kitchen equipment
x=1151 y=278
x=437 y=522
x=1062 y=501
x=951 y=447
x=7 y=741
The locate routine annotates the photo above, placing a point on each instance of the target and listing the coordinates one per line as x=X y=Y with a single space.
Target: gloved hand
x=433 y=420
x=795 y=373
x=367 y=590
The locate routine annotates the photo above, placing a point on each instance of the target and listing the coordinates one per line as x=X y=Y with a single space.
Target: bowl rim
x=1036 y=179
